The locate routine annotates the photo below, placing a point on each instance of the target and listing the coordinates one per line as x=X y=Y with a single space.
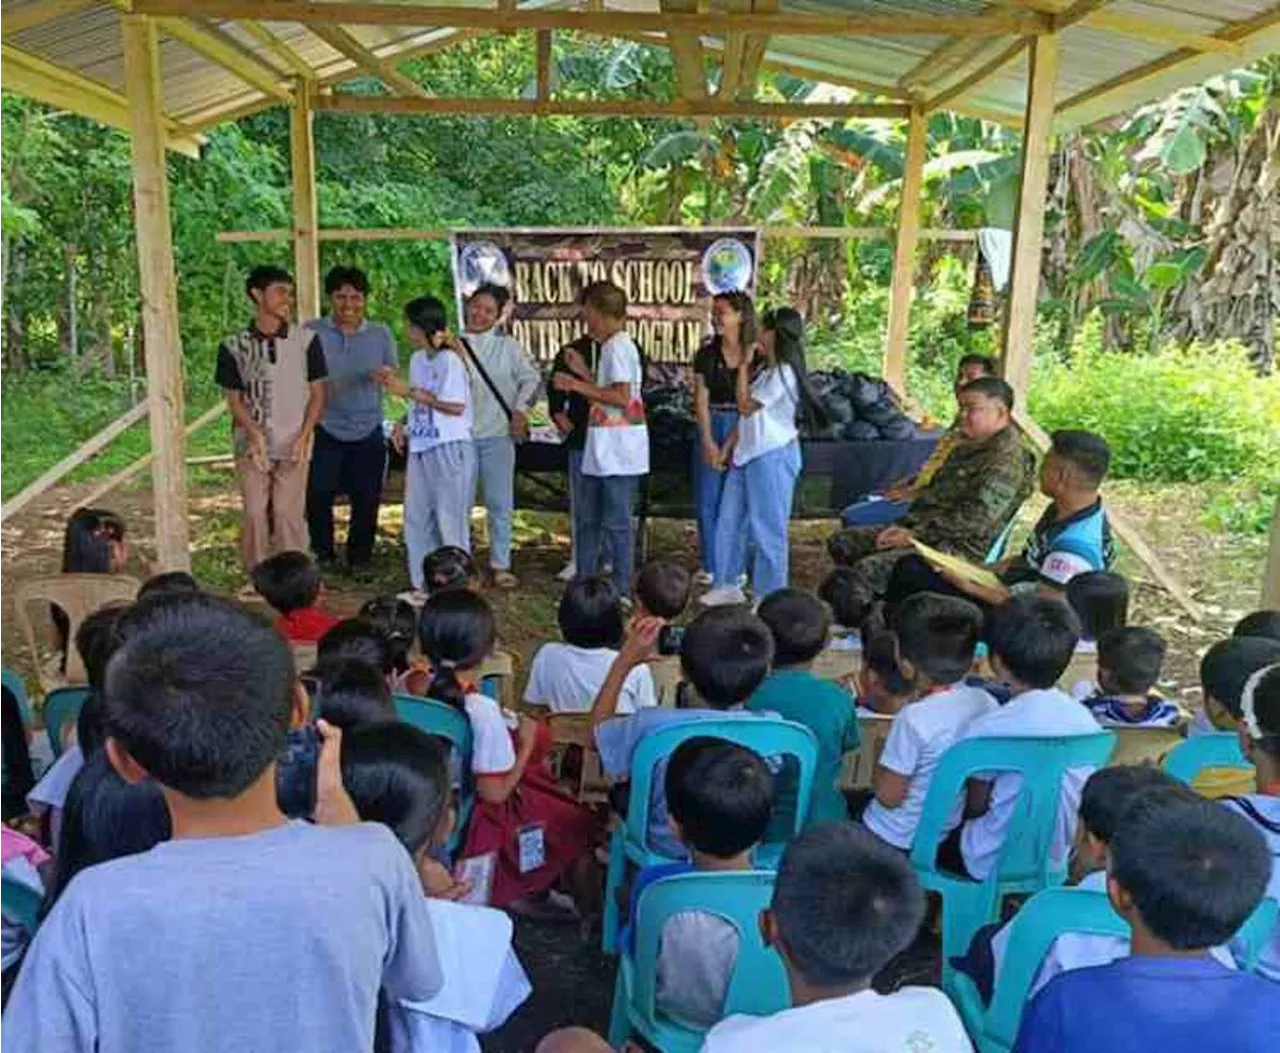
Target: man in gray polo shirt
x=350 y=451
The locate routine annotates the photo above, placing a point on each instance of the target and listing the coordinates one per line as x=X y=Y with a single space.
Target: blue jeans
x=575 y=502
x=755 y=508
x=604 y=528
x=873 y=511
x=708 y=485
x=495 y=474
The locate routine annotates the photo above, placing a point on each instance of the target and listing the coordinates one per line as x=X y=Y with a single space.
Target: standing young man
x=273 y=375
x=350 y=449
x=570 y=414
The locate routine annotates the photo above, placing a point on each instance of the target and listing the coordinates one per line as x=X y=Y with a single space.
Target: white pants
x=437 y=502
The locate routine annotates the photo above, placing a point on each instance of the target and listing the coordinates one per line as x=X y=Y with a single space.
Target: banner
x=668 y=273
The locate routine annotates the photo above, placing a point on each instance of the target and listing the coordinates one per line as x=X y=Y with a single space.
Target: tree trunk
x=15 y=315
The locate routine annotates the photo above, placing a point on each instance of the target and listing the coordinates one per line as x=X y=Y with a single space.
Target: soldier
x=967 y=503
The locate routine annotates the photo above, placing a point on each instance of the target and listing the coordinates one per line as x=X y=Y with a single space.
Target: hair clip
x=1248 y=709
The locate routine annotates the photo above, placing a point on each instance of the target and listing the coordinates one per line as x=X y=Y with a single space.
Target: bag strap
x=484 y=375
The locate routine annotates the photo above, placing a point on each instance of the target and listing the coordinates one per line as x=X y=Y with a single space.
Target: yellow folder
x=961 y=568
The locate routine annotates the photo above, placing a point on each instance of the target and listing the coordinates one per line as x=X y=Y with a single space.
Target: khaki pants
x=275 y=504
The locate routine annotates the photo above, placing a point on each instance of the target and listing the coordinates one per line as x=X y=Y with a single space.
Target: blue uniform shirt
x=1059 y=549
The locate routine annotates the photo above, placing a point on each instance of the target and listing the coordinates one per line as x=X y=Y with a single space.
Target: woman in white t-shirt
x=441 y=456
x=755 y=506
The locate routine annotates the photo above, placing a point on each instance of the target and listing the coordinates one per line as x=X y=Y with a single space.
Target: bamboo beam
x=983 y=73
x=74 y=459
x=1028 y=224
x=222 y=52
x=686 y=52
x=543 y=90
x=753 y=53
x=342 y=41
x=291 y=59
x=1271 y=576
x=1077 y=12
x=158 y=289
x=302 y=171
x=732 y=56
x=783 y=111
x=33 y=15
x=904 y=255
x=1145 y=29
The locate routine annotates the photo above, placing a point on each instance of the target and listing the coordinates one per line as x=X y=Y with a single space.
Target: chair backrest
x=574 y=731
x=758 y=984
x=1025 y=855
x=304 y=656
x=20 y=904
x=497 y=677
x=76 y=595
x=1083 y=666
x=667 y=674
x=14 y=682
x=437 y=718
x=860 y=765
x=1145 y=745
x=61 y=708
x=837 y=665
x=996 y=552
x=1218 y=749
x=769 y=737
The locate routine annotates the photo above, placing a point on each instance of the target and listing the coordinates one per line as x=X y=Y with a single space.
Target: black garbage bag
x=866 y=392
x=860 y=431
x=900 y=429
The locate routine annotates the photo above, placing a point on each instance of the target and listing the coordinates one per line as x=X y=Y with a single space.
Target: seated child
x=842 y=591
x=212 y=932
x=1100 y=599
x=508 y=754
x=170 y=583
x=397 y=776
x=23 y=861
x=662 y=589
x=19 y=775
x=347 y=692
x=360 y=639
x=1225 y=669
x=724 y=656
x=290 y=582
x=843 y=906
x=799 y=623
x=397 y=620
x=1185 y=876
x=566 y=677
x=936 y=639
x=449 y=567
x=1265 y=624
x=1129 y=664
x=720 y=797
x=1031 y=639
x=881 y=686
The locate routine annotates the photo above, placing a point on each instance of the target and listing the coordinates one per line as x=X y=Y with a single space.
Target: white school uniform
x=1033 y=714
x=444 y=375
x=492 y=752
x=773 y=425
x=1268 y=809
x=566 y=679
x=618 y=438
x=919 y=736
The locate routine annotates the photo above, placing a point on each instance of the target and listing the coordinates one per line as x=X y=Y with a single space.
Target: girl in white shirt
x=755 y=506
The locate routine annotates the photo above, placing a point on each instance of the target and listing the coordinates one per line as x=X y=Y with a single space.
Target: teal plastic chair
x=446 y=722
x=758 y=985
x=1024 y=863
x=13 y=681
x=630 y=840
x=996 y=552
x=62 y=707
x=20 y=904
x=1218 y=749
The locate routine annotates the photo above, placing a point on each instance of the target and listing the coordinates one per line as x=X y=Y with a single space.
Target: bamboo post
x=302 y=166
x=1028 y=224
x=158 y=289
x=1271 y=576
x=904 y=255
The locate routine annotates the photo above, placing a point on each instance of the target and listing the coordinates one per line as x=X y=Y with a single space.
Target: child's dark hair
x=19 y=777
x=1130 y=660
x=1263 y=694
x=845 y=903
x=841 y=591
x=171 y=582
x=263 y=275
x=992 y=388
x=200 y=695
x=97 y=639
x=455 y=631
x=428 y=314
x=788 y=330
x=1086 y=452
x=1228 y=665
x=448 y=567
x=938 y=635
x=396 y=620
x=1260 y=623
x=725 y=654
x=1109 y=792
x=357 y=638
x=662 y=588
x=720 y=794
x=1034 y=638
x=590 y=613
x=350 y=692
x=880 y=656
x=1100 y=599
x=344 y=275
x=86 y=545
x=1194 y=869
x=799 y=622
x=397 y=775
x=289 y=581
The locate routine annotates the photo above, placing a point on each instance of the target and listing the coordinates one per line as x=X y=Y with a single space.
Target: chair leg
x=619 y=1021
x=612 y=884
x=965 y=909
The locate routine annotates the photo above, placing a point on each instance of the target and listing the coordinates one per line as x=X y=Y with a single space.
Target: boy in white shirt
x=1032 y=639
x=937 y=636
x=617 y=451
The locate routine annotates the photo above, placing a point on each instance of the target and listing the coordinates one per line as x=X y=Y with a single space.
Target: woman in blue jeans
x=755 y=507
x=715 y=407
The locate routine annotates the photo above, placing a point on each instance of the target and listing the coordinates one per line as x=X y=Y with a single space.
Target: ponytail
x=456 y=631
x=446 y=687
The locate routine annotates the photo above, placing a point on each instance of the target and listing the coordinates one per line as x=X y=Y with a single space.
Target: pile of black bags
x=860 y=408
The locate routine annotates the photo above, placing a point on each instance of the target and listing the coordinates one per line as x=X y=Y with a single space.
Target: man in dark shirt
x=569 y=411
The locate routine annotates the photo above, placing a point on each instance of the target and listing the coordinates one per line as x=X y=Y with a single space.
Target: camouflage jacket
x=975 y=493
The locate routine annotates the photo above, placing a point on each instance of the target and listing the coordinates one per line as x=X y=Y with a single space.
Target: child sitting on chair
x=1129 y=664
x=1185 y=875
x=1265 y=624
x=844 y=904
x=661 y=589
x=841 y=591
x=882 y=688
x=348 y=692
x=1100 y=599
x=1225 y=669
x=449 y=567
x=290 y=582
x=720 y=797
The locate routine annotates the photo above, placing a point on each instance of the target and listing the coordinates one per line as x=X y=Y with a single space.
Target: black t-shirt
x=721 y=380
x=574 y=406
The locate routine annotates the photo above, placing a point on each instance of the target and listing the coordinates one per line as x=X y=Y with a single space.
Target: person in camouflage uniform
x=964 y=507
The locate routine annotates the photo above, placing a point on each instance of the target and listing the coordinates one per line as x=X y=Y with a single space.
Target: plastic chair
x=996 y=552
x=757 y=986
x=1024 y=863
x=20 y=904
x=1218 y=749
x=61 y=707
x=76 y=595
x=574 y=731
x=1146 y=745
x=13 y=681
x=452 y=725
x=837 y=665
x=860 y=765
x=304 y=656
x=667 y=674
x=630 y=839
x=497 y=676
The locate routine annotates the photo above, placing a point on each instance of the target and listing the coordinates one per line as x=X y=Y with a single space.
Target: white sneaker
x=568 y=573
x=703 y=578
x=414 y=597
x=724 y=596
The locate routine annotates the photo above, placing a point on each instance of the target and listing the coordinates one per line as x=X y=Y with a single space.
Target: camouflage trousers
x=855 y=547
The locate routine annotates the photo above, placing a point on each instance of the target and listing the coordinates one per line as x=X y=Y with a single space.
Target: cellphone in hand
x=296 y=773
x=670 y=639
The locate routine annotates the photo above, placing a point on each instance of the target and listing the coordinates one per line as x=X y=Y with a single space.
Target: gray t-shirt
x=274 y=941
x=354 y=407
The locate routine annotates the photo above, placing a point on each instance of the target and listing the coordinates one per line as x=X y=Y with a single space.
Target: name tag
x=532 y=845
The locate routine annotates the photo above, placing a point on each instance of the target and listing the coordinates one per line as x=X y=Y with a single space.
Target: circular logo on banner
x=480 y=263
x=726 y=266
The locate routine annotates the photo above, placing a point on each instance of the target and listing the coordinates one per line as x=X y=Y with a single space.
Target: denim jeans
x=879 y=511
x=708 y=485
x=575 y=504
x=495 y=474
x=755 y=508
x=604 y=529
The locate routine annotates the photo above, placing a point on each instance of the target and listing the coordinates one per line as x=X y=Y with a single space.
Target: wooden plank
x=157 y=287
x=302 y=170
x=291 y=59
x=1271 y=576
x=1146 y=29
x=222 y=52
x=342 y=41
x=1028 y=224
x=686 y=52
x=733 y=55
x=754 y=50
x=1077 y=12
x=73 y=460
x=543 y=42
x=983 y=73
x=904 y=255
x=15 y=22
